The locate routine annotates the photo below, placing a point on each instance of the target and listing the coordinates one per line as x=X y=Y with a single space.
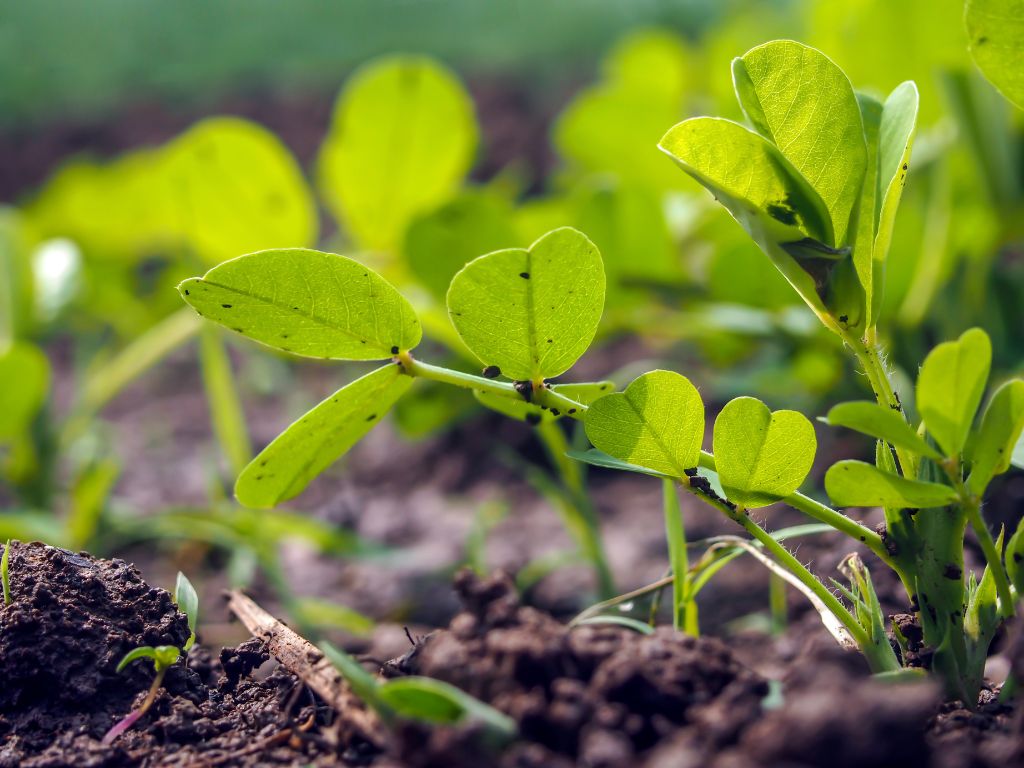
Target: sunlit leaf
x=319 y=438
x=401 y=140
x=657 y=422
x=1001 y=427
x=996 y=32
x=950 y=387
x=307 y=303
x=531 y=312
x=858 y=484
x=882 y=423
x=761 y=456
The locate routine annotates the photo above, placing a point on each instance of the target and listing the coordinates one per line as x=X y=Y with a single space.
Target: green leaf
x=328 y=615
x=307 y=303
x=858 y=484
x=187 y=600
x=596 y=458
x=441 y=242
x=1018 y=454
x=227 y=416
x=950 y=387
x=657 y=422
x=882 y=423
x=364 y=685
x=401 y=140
x=319 y=438
x=234 y=187
x=863 y=237
x=895 y=139
x=163 y=656
x=517 y=408
x=749 y=176
x=435 y=701
x=996 y=32
x=761 y=456
x=802 y=102
x=619 y=621
x=531 y=312
x=25 y=373
x=1001 y=427
x=1015 y=559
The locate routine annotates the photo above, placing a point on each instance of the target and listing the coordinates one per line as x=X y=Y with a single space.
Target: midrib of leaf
x=289 y=308
x=680 y=471
x=531 y=320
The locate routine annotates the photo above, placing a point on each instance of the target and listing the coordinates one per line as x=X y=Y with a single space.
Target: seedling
x=163 y=656
x=815 y=180
x=5 y=574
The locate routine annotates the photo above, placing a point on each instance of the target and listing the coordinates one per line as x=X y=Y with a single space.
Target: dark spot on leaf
x=524 y=275
x=572 y=410
x=533 y=419
x=952 y=571
x=982 y=40
x=394 y=350
x=905 y=166
x=555 y=412
x=259 y=477
x=371 y=417
x=491 y=372
x=284 y=335
x=550 y=341
x=844 y=318
x=239 y=330
x=226 y=306
x=186 y=292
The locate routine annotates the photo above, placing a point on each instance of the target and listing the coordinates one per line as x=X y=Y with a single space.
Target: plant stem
x=133 y=717
x=574 y=410
x=676 y=535
x=972 y=506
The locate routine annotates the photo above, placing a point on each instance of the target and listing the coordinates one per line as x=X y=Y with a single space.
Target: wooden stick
x=305 y=661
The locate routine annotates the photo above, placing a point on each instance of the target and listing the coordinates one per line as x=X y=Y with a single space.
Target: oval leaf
x=285 y=467
x=531 y=312
x=1001 y=428
x=996 y=32
x=187 y=600
x=402 y=138
x=307 y=303
x=858 y=484
x=657 y=422
x=761 y=456
x=881 y=423
x=796 y=97
x=950 y=387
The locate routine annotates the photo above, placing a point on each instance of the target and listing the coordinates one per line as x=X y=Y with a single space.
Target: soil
x=594 y=695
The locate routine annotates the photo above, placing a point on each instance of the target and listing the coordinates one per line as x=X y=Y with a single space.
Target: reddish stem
x=132 y=717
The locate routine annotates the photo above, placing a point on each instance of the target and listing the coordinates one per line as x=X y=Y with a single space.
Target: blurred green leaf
x=532 y=312
x=950 y=387
x=328 y=615
x=858 y=484
x=307 y=303
x=761 y=456
x=1000 y=430
x=25 y=377
x=996 y=32
x=657 y=422
x=402 y=138
x=284 y=468
x=434 y=701
x=226 y=412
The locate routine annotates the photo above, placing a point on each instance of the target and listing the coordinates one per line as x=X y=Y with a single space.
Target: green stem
x=972 y=506
x=676 y=535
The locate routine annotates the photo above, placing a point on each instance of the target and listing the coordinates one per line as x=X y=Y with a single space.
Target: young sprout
x=5 y=575
x=163 y=657
x=187 y=600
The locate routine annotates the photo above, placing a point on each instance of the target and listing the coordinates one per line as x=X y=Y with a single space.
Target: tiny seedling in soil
x=163 y=656
x=821 y=204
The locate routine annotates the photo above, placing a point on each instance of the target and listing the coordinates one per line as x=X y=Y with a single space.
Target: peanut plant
x=815 y=180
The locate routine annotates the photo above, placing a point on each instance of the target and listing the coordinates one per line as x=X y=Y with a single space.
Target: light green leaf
x=435 y=701
x=517 y=408
x=234 y=187
x=24 y=381
x=1001 y=427
x=864 y=235
x=657 y=422
x=619 y=621
x=802 y=102
x=950 y=387
x=285 y=467
x=761 y=456
x=364 y=685
x=996 y=32
x=1015 y=558
x=596 y=458
x=307 y=303
x=328 y=615
x=187 y=600
x=758 y=186
x=401 y=140
x=1018 y=454
x=163 y=656
x=880 y=422
x=858 y=484
x=440 y=243
x=895 y=139
x=531 y=312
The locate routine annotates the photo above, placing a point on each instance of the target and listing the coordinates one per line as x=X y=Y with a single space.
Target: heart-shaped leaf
x=657 y=422
x=319 y=438
x=996 y=32
x=858 y=484
x=1001 y=428
x=796 y=97
x=531 y=312
x=402 y=138
x=307 y=303
x=882 y=423
x=950 y=387
x=761 y=456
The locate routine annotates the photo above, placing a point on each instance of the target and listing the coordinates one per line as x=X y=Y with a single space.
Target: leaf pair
x=658 y=423
x=815 y=175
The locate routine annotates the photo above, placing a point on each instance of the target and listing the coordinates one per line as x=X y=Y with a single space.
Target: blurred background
x=142 y=143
